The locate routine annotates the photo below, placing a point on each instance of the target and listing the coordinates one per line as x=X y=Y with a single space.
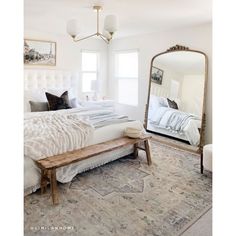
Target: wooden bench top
x=87 y=152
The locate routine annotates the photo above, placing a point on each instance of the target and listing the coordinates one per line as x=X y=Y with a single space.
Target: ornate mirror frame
x=178 y=48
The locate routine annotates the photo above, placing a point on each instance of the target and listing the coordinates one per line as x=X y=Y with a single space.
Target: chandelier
x=110 y=26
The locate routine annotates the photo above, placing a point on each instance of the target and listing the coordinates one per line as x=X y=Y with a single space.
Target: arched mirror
x=175 y=106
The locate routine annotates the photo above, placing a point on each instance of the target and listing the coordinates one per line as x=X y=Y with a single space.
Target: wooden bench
x=49 y=165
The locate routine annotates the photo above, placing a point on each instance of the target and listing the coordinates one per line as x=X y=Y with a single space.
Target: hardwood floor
x=202 y=227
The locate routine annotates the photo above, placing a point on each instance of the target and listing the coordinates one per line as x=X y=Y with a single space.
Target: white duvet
x=50 y=133
x=177 y=121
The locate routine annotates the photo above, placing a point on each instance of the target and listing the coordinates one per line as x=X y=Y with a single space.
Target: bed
x=89 y=124
x=172 y=122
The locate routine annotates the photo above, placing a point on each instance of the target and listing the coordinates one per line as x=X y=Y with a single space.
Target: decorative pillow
x=162 y=101
x=75 y=103
x=58 y=92
x=58 y=103
x=156 y=101
x=172 y=104
x=37 y=95
x=38 y=106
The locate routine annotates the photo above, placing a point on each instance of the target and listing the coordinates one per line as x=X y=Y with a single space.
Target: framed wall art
x=157 y=75
x=39 y=52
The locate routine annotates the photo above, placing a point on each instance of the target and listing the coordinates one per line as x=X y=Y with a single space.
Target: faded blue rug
x=126 y=197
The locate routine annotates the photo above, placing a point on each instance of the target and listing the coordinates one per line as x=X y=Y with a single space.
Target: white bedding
x=52 y=133
x=173 y=122
x=86 y=122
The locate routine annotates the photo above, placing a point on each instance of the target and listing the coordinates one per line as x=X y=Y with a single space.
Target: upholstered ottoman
x=207 y=157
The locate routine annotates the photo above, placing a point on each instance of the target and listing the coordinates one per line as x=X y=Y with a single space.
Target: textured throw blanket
x=52 y=134
x=172 y=119
x=177 y=122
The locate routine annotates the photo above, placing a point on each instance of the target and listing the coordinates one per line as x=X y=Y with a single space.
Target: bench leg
x=135 y=154
x=201 y=163
x=53 y=183
x=43 y=184
x=148 y=152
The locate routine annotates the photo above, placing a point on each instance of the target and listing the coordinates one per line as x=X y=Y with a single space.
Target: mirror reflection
x=176 y=95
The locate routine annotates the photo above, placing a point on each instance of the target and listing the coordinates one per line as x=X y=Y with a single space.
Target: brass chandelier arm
x=104 y=38
x=77 y=40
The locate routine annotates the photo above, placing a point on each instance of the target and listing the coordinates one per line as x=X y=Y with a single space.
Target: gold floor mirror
x=176 y=98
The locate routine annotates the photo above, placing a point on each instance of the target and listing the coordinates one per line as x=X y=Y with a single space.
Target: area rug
x=126 y=197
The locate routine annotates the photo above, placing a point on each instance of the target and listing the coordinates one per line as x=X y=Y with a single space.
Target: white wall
x=198 y=38
x=69 y=55
x=192 y=94
x=168 y=76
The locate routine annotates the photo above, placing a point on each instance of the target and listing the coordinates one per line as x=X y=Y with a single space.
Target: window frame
x=97 y=72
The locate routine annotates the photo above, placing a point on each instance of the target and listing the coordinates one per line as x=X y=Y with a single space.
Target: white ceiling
x=135 y=16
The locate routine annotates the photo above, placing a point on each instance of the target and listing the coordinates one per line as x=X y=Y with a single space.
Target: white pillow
x=155 y=103
x=74 y=102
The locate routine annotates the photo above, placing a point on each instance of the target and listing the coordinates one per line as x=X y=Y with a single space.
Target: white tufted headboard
x=160 y=90
x=40 y=79
x=50 y=79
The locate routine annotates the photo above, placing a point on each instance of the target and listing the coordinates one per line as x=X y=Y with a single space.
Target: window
x=89 y=71
x=126 y=74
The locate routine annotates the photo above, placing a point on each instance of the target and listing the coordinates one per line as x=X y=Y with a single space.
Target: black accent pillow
x=58 y=103
x=172 y=104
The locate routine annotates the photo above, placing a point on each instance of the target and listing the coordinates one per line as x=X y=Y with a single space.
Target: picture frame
x=157 y=75
x=39 y=52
